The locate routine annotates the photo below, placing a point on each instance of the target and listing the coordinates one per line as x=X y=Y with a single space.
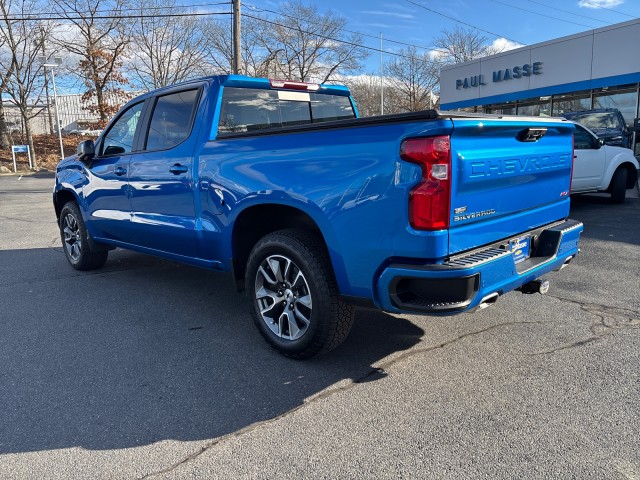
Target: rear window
x=251 y=109
x=171 y=120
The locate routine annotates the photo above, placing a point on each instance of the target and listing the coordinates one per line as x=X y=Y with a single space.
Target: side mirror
x=113 y=150
x=86 y=150
x=601 y=142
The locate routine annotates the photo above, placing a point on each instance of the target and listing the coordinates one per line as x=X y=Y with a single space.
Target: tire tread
x=89 y=260
x=339 y=315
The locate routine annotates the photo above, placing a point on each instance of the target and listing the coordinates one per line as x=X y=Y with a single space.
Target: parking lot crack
x=609 y=320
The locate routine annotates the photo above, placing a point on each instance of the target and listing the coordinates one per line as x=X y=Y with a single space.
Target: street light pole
x=55 y=102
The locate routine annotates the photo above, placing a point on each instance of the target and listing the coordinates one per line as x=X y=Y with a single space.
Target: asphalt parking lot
x=151 y=369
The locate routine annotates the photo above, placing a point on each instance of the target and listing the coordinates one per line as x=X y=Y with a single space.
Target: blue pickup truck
x=315 y=211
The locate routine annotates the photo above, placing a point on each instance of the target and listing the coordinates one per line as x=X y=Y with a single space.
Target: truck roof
x=244 y=81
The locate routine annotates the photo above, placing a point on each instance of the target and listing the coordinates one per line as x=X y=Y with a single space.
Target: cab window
x=119 y=139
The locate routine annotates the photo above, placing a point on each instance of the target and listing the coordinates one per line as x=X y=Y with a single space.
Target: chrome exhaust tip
x=535 y=286
x=486 y=301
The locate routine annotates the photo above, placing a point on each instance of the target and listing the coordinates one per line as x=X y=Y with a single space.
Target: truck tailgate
x=505 y=180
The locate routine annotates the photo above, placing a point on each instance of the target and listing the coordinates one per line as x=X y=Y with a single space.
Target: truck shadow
x=147 y=350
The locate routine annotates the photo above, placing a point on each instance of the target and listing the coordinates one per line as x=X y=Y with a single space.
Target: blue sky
x=522 y=21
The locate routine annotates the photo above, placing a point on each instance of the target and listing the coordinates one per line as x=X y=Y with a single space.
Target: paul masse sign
x=516 y=72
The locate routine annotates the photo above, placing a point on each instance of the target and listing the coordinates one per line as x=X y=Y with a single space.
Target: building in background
x=74 y=112
x=594 y=69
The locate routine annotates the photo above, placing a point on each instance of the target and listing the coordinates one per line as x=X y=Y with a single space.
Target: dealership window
x=538 y=108
x=571 y=102
x=623 y=98
x=502 y=109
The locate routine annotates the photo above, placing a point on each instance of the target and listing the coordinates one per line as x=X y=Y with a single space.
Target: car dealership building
x=594 y=69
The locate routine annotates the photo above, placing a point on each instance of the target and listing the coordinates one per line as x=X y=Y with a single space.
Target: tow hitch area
x=535 y=286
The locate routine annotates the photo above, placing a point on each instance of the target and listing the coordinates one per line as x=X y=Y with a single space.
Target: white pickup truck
x=602 y=168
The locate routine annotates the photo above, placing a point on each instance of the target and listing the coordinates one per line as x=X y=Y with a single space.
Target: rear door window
x=172 y=120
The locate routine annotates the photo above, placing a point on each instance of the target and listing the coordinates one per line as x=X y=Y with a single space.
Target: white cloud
x=599 y=3
x=502 y=45
x=390 y=14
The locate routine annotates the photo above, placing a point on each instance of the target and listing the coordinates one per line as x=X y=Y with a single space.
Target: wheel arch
x=62 y=197
x=256 y=221
x=626 y=163
x=632 y=174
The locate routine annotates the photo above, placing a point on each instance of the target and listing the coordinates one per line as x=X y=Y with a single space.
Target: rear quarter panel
x=351 y=181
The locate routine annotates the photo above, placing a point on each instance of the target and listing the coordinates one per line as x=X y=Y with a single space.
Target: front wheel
x=75 y=240
x=619 y=185
x=293 y=294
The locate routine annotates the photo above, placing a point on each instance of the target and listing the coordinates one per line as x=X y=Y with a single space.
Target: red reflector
x=429 y=201
x=294 y=85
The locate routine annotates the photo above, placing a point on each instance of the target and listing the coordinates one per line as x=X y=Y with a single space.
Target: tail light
x=429 y=201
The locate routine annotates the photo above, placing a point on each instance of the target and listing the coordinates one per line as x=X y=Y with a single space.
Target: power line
x=261 y=9
x=326 y=37
x=167 y=7
x=463 y=23
x=115 y=17
x=570 y=13
x=541 y=14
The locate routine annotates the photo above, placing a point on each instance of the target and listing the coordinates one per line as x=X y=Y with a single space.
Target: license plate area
x=520 y=248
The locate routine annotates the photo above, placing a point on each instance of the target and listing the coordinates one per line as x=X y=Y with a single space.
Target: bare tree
x=22 y=79
x=255 y=60
x=365 y=90
x=414 y=77
x=461 y=45
x=307 y=45
x=168 y=49
x=5 y=141
x=100 y=41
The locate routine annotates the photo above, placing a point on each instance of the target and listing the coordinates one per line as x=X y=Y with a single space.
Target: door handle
x=120 y=171
x=178 y=169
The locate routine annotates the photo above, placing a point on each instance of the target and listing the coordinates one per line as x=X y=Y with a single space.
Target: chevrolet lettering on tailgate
x=518 y=165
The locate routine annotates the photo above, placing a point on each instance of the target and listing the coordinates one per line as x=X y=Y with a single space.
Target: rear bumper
x=472 y=278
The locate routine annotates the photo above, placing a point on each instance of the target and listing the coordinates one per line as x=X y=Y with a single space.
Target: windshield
x=596 y=120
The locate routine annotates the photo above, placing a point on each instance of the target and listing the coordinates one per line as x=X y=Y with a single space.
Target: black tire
x=75 y=240
x=304 y=291
x=618 y=185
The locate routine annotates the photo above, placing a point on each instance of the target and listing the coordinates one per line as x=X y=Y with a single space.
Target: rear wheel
x=619 y=185
x=293 y=294
x=75 y=240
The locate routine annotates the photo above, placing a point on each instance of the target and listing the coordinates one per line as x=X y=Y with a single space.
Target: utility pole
x=237 y=54
x=381 y=79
